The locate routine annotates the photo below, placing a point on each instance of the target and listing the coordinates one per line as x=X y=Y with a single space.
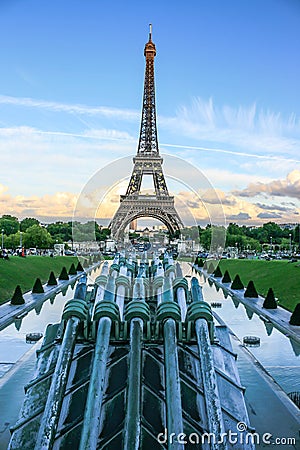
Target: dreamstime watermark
x=241 y=436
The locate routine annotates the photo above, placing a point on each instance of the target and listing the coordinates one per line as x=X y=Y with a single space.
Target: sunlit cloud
x=288 y=187
x=61 y=204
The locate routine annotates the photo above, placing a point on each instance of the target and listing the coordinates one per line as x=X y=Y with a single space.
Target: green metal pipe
x=101 y=289
x=172 y=379
x=211 y=395
x=120 y=296
x=181 y=300
x=52 y=410
x=133 y=413
x=92 y=416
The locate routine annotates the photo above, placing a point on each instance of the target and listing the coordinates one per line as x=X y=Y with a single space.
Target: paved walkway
x=279 y=317
x=9 y=313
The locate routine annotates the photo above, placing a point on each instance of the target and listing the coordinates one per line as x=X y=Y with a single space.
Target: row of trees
x=244 y=237
x=29 y=232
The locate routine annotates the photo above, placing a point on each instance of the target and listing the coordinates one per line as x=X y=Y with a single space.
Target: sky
x=227 y=95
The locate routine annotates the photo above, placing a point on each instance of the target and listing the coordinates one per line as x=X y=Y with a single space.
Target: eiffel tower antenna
x=147 y=162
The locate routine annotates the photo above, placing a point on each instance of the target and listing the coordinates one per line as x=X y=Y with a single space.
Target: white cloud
x=244 y=128
x=60 y=204
x=250 y=132
x=288 y=187
x=124 y=114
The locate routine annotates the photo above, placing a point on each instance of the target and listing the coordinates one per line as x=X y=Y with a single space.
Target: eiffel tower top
x=148 y=141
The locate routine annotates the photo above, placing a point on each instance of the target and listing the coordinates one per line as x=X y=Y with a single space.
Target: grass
x=282 y=276
x=24 y=271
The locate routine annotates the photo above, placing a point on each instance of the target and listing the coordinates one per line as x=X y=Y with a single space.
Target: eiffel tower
x=147 y=161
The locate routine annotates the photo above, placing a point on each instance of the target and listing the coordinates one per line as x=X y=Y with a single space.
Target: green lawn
x=282 y=276
x=24 y=271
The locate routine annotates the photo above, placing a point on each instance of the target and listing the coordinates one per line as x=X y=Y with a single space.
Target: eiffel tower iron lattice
x=147 y=161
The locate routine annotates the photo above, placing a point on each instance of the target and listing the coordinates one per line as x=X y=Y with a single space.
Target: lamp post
x=290 y=236
x=21 y=239
x=271 y=243
x=2 y=239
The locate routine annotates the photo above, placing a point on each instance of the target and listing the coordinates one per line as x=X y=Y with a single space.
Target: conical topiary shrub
x=63 y=274
x=210 y=268
x=85 y=263
x=295 y=317
x=226 y=278
x=270 y=301
x=37 y=287
x=200 y=262
x=79 y=267
x=52 y=280
x=237 y=283
x=17 y=298
x=217 y=272
x=72 y=270
x=250 y=290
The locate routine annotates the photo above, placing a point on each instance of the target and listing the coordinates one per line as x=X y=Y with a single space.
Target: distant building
x=133 y=225
x=287 y=226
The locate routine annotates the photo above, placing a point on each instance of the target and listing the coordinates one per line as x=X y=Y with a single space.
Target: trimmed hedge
x=270 y=301
x=295 y=317
x=237 y=283
x=210 y=268
x=217 y=272
x=63 y=274
x=72 y=270
x=226 y=278
x=52 y=280
x=79 y=267
x=38 y=287
x=251 y=290
x=17 y=298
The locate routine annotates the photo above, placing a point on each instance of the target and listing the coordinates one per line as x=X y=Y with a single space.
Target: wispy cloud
x=124 y=114
x=250 y=128
x=250 y=132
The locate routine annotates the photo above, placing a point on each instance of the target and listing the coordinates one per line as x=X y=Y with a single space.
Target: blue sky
x=227 y=91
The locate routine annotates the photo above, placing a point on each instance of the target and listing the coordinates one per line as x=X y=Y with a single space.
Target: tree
x=235 y=229
x=205 y=237
x=9 y=224
x=37 y=236
x=27 y=223
x=13 y=240
x=60 y=231
x=296 y=235
x=102 y=233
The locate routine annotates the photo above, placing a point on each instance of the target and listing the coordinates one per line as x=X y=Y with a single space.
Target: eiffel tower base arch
x=132 y=208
